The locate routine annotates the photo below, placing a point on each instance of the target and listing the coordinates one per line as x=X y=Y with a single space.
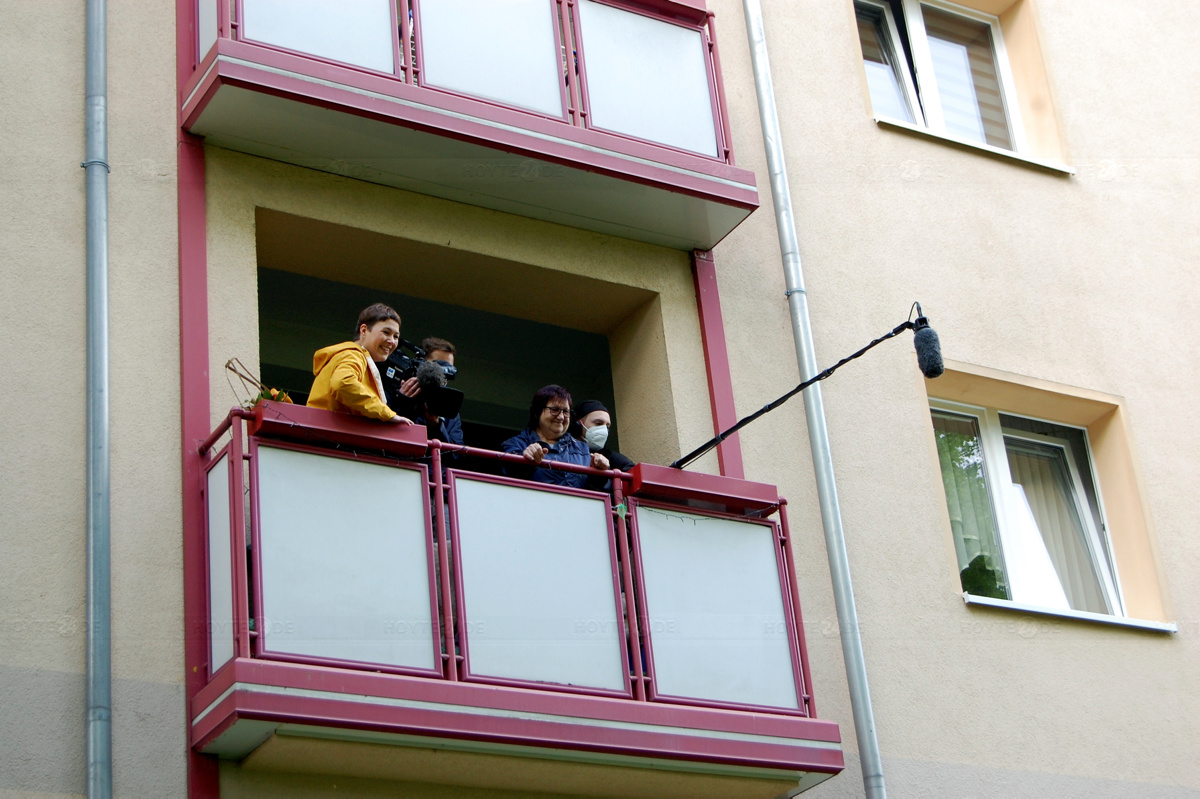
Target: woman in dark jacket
x=546 y=438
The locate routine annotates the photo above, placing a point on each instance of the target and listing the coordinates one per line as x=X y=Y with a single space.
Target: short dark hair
x=542 y=398
x=432 y=344
x=374 y=314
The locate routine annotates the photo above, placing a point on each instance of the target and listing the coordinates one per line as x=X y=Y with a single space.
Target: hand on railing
x=535 y=452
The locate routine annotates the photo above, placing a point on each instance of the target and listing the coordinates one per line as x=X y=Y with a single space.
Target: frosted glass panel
x=716 y=609
x=207 y=26
x=502 y=50
x=538 y=581
x=220 y=572
x=344 y=559
x=647 y=78
x=354 y=31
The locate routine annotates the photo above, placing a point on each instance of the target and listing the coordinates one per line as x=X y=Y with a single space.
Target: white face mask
x=596 y=437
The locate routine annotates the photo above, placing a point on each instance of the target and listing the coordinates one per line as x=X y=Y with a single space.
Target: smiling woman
x=345 y=377
x=545 y=438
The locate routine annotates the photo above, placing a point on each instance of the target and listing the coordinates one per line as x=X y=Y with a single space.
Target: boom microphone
x=929 y=349
x=430 y=376
x=440 y=399
x=929 y=359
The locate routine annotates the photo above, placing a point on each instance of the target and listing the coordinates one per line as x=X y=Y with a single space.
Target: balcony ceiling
x=680 y=201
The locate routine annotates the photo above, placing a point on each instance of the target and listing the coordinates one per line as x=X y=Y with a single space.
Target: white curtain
x=967 y=498
x=1041 y=471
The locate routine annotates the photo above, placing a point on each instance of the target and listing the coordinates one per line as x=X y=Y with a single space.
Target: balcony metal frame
x=791 y=611
x=260 y=638
x=451 y=702
x=276 y=103
x=459 y=611
x=407 y=38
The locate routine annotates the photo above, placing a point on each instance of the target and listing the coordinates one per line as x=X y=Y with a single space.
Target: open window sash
x=889 y=80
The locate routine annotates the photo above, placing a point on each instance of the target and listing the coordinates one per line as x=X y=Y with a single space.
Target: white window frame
x=904 y=78
x=926 y=93
x=992 y=435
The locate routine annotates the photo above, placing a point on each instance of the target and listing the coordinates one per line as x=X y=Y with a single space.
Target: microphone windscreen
x=430 y=376
x=929 y=352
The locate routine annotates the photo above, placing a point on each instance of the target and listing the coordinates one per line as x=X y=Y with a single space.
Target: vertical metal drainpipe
x=814 y=411
x=99 y=622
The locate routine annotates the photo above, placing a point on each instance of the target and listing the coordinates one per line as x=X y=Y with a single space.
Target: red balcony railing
x=338 y=546
x=648 y=71
x=607 y=115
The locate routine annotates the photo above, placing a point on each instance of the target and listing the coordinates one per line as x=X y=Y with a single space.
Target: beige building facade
x=254 y=209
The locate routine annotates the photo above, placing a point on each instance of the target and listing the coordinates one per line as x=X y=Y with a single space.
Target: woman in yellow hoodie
x=345 y=377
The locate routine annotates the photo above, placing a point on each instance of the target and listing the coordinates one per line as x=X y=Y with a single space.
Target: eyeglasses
x=559 y=412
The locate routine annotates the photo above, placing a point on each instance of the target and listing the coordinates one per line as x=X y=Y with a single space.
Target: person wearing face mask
x=546 y=438
x=593 y=424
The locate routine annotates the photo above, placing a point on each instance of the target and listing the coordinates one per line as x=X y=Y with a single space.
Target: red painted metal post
x=397 y=36
x=405 y=58
x=577 y=62
x=631 y=603
x=790 y=561
x=255 y=564
x=237 y=528
x=716 y=361
x=566 y=26
x=193 y=407
x=417 y=47
x=450 y=658
x=722 y=107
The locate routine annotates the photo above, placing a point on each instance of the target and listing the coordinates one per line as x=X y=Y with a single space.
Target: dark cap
x=586 y=407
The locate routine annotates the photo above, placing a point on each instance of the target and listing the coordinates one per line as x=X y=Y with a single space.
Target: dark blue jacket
x=450 y=430
x=566 y=450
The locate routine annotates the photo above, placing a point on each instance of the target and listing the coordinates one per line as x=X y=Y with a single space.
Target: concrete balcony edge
x=248 y=702
x=369 y=127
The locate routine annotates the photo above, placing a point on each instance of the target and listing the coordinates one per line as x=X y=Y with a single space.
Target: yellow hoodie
x=342 y=382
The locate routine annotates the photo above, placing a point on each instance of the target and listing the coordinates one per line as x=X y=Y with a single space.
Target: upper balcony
x=365 y=606
x=606 y=115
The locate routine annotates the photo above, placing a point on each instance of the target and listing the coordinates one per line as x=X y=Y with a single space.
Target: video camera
x=435 y=396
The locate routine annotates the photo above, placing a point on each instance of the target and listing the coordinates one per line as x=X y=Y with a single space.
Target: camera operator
x=416 y=387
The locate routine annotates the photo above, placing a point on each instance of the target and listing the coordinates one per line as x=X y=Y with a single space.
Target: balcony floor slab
x=679 y=201
x=287 y=717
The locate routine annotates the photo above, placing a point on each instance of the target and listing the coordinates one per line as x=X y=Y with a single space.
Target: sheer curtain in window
x=960 y=452
x=1042 y=472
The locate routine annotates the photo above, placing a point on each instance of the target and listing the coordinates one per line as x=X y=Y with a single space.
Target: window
x=963 y=88
x=892 y=92
x=1025 y=510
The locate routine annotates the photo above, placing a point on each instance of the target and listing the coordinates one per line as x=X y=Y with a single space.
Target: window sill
x=1078 y=615
x=1007 y=155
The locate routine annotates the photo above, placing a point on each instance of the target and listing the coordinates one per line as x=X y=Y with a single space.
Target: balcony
x=606 y=115
x=365 y=591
